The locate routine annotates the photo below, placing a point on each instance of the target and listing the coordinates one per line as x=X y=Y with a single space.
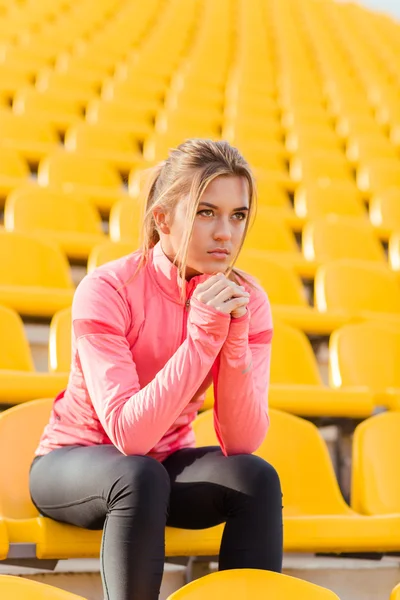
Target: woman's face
x=218 y=226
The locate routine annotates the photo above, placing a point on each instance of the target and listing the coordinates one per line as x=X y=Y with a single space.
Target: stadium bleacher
x=309 y=91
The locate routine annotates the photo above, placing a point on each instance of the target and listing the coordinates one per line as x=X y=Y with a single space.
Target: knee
x=141 y=478
x=258 y=477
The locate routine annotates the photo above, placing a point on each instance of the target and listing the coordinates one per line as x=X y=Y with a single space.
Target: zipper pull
x=187 y=304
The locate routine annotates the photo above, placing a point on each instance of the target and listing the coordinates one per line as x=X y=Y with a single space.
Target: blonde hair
x=186 y=173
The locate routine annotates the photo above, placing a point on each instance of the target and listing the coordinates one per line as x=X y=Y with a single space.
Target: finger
x=207 y=295
x=231 y=305
x=223 y=296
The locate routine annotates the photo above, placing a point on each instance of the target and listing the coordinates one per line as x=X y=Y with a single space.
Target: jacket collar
x=167 y=276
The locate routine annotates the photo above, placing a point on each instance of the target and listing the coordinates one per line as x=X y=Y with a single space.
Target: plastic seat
x=316 y=517
x=367 y=355
x=109 y=251
x=394 y=251
x=363 y=148
x=307 y=138
x=35 y=279
x=115 y=146
x=322 y=165
x=395 y=595
x=58 y=110
x=359 y=290
x=384 y=211
x=135 y=119
x=11 y=79
x=19 y=381
x=20 y=431
x=14 y=171
x=125 y=221
x=286 y=294
x=20 y=588
x=297 y=386
x=251 y=584
x=279 y=245
x=72 y=223
x=375 y=176
x=80 y=88
x=315 y=201
x=80 y=174
x=273 y=200
x=334 y=237
x=375 y=486
x=32 y=139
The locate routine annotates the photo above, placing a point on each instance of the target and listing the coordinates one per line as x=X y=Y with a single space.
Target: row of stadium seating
x=316 y=517
x=363 y=373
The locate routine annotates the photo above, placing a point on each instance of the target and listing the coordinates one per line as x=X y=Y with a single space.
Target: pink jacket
x=142 y=359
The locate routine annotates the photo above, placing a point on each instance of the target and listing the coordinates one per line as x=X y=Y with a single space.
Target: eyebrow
x=213 y=206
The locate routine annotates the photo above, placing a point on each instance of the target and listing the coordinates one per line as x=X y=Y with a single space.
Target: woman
x=151 y=332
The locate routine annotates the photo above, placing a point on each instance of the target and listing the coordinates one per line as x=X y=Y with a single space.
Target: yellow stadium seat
x=11 y=79
x=20 y=430
x=13 y=171
x=107 y=252
x=125 y=221
x=297 y=386
x=306 y=138
x=367 y=355
x=313 y=201
x=80 y=174
x=375 y=176
x=251 y=584
x=60 y=342
x=375 y=486
x=335 y=237
x=286 y=294
x=136 y=119
x=70 y=222
x=56 y=109
x=319 y=165
x=32 y=139
x=358 y=289
x=273 y=199
x=115 y=146
x=70 y=84
x=157 y=145
x=280 y=244
x=35 y=279
x=356 y=124
x=20 y=588
x=384 y=211
x=189 y=120
x=19 y=381
x=150 y=93
x=363 y=148
x=316 y=517
x=250 y=128
x=395 y=595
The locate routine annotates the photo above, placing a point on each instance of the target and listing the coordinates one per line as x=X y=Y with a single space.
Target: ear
x=161 y=218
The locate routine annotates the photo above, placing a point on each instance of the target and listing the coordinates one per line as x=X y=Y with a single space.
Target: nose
x=222 y=230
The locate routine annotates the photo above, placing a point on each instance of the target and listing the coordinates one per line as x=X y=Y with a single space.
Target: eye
x=240 y=216
x=206 y=212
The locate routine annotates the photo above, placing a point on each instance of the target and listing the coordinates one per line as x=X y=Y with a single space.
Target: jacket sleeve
x=241 y=380
x=136 y=419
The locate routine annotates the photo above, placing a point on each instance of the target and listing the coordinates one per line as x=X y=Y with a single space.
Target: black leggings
x=132 y=498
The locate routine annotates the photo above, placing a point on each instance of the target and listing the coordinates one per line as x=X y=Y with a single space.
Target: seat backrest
x=375 y=488
x=108 y=251
x=86 y=136
x=334 y=237
x=76 y=168
x=293 y=360
x=313 y=202
x=366 y=354
x=282 y=285
x=24 y=128
x=355 y=286
x=275 y=237
x=384 y=209
x=15 y=352
x=20 y=588
x=33 y=208
x=32 y=262
x=12 y=164
x=29 y=100
x=60 y=343
x=296 y=449
x=20 y=431
x=126 y=217
x=251 y=584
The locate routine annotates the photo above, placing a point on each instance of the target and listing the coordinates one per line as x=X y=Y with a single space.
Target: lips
x=219 y=253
